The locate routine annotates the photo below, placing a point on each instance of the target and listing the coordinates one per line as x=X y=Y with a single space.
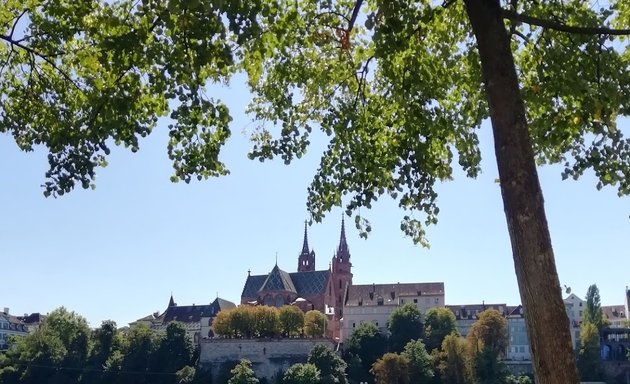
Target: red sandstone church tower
x=341 y=272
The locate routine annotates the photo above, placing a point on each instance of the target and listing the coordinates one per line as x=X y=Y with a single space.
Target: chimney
x=6 y=310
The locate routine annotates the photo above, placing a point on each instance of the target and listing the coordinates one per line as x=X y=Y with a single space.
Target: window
x=402 y=301
x=379 y=300
x=353 y=325
x=415 y=301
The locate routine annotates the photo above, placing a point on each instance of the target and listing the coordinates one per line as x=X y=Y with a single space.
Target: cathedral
x=308 y=288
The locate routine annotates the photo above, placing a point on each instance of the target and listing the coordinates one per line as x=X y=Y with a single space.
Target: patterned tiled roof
x=278 y=280
x=310 y=283
x=302 y=283
x=252 y=285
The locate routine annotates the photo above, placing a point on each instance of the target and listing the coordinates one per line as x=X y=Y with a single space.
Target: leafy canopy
x=396 y=86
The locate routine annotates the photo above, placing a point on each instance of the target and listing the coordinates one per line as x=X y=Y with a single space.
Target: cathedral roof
x=302 y=283
x=309 y=283
x=278 y=280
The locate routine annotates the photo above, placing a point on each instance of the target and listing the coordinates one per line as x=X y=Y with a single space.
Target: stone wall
x=268 y=356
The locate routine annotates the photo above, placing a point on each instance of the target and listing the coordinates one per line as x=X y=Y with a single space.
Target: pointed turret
x=171 y=302
x=342 y=249
x=305 y=243
x=306 y=260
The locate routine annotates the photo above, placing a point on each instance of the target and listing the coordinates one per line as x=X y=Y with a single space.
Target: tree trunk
x=547 y=322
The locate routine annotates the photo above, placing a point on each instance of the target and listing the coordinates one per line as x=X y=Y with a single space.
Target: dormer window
x=379 y=300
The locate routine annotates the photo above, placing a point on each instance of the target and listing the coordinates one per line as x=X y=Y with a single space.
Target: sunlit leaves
x=80 y=76
x=395 y=86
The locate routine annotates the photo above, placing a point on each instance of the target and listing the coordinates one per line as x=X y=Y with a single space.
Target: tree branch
x=514 y=16
x=355 y=14
x=46 y=58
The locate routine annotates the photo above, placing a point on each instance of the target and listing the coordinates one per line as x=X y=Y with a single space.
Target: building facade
x=374 y=303
x=196 y=318
x=10 y=326
x=575 y=309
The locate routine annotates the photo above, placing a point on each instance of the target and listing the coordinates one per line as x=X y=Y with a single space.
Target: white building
x=373 y=303
x=575 y=309
x=10 y=326
x=518 y=342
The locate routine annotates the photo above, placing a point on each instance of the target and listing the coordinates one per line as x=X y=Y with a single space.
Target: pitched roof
x=252 y=285
x=368 y=294
x=470 y=311
x=302 y=283
x=32 y=318
x=221 y=304
x=310 y=283
x=614 y=312
x=194 y=313
x=278 y=280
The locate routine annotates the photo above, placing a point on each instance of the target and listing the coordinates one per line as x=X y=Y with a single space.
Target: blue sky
x=119 y=251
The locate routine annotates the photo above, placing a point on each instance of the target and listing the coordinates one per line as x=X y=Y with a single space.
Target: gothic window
x=279 y=301
x=339 y=283
x=379 y=301
x=268 y=301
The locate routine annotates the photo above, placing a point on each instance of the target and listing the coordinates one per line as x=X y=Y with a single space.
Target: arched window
x=279 y=301
x=268 y=301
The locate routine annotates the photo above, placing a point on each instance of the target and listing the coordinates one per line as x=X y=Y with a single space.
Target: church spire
x=305 y=244
x=171 y=302
x=306 y=260
x=343 y=244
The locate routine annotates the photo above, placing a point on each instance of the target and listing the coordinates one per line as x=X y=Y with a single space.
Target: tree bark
x=545 y=315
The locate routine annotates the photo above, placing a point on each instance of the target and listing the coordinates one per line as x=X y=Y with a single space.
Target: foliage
x=488 y=340
x=302 y=374
x=521 y=379
x=392 y=368
x=174 y=352
x=243 y=373
x=455 y=363
x=65 y=351
x=266 y=320
x=489 y=332
x=259 y=321
x=243 y=321
x=401 y=95
x=404 y=324
x=367 y=344
x=589 y=360
x=593 y=312
x=291 y=320
x=186 y=374
x=314 y=324
x=56 y=353
x=438 y=323
x=221 y=325
x=489 y=367
x=331 y=367
x=420 y=364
